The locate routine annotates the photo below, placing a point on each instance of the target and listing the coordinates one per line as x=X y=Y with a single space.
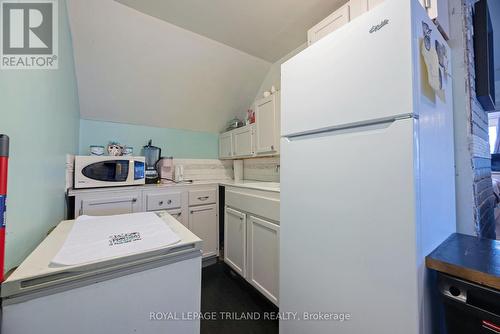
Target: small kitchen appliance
x=166 y=168
x=106 y=171
x=152 y=155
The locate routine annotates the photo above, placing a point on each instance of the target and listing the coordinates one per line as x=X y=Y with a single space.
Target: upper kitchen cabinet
x=244 y=141
x=238 y=143
x=331 y=23
x=259 y=139
x=436 y=9
x=359 y=7
x=340 y=17
x=267 y=119
x=226 y=145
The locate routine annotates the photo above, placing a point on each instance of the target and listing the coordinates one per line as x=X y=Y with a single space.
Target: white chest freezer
x=123 y=294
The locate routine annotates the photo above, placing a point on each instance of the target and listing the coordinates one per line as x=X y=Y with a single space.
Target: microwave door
x=108 y=171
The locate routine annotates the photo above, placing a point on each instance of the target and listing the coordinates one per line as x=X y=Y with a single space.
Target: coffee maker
x=152 y=155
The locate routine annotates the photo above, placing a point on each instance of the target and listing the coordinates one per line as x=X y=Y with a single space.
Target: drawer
x=162 y=201
x=198 y=197
x=259 y=203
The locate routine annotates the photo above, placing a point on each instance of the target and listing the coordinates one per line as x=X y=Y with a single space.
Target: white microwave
x=107 y=171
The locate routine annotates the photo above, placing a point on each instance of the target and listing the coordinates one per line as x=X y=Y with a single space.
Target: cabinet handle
x=168 y=202
x=201 y=210
x=133 y=200
x=203 y=198
x=178 y=214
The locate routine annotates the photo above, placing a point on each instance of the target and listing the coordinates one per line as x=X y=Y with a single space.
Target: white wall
x=137 y=69
x=462 y=131
x=273 y=76
x=39 y=112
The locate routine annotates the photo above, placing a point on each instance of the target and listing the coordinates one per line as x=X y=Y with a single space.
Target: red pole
x=4 y=163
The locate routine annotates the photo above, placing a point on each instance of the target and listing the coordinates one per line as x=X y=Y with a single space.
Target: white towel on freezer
x=97 y=238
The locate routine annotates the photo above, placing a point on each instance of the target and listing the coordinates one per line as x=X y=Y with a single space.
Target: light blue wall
x=39 y=111
x=173 y=142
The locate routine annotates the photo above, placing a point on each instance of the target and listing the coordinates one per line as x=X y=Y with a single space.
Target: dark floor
x=224 y=291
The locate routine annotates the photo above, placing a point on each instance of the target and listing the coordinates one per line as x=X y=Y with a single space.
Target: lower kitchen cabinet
x=196 y=207
x=109 y=204
x=252 y=238
x=263 y=256
x=203 y=222
x=235 y=240
x=177 y=214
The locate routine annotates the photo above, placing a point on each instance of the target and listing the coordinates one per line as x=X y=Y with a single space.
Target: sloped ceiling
x=134 y=68
x=268 y=29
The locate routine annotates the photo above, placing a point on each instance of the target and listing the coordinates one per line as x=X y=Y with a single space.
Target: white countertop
x=250 y=184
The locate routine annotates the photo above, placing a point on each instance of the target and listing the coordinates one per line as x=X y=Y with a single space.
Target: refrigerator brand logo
x=29 y=34
x=379 y=26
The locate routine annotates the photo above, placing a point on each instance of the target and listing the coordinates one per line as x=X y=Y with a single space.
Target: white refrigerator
x=367 y=176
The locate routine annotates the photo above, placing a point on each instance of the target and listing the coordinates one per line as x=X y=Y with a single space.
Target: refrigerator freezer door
x=361 y=72
x=348 y=230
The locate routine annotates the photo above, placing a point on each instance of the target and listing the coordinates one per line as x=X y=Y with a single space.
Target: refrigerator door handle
x=371 y=125
x=374 y=124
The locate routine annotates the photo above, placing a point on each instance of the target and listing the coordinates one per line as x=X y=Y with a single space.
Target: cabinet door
x=243 y=141
x=267 y=125
x=177 y=214
x=110 y=204
x=226 y=145
x=235 y=240
x=203 y=223
x=263 y=257
x=373 y=3
x=357 y=8
x=334 y=21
